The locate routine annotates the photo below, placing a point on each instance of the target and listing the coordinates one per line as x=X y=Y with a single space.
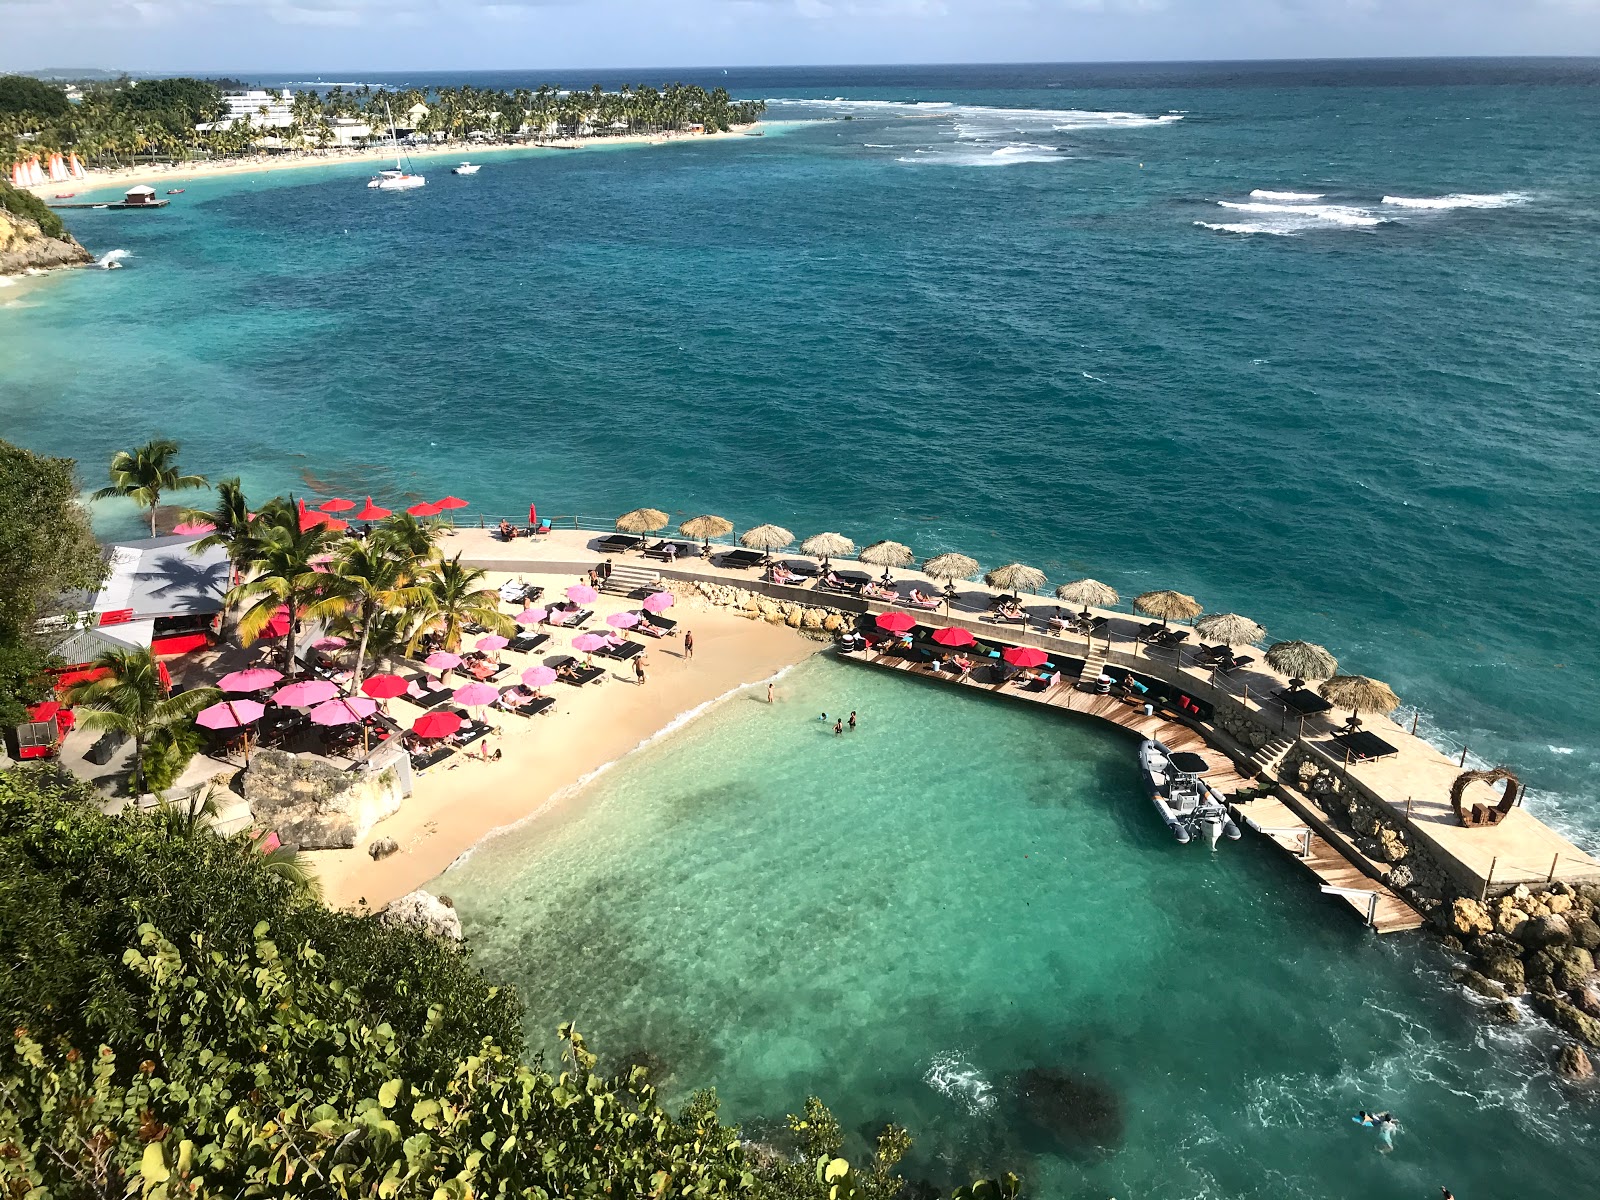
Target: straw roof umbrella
x=1087 y=592
x=1168 y=605
x=1358 y=693
x=642 y=520
x=887 y=554
x=1302 y=661
x=1229 y=628
x=1015 y=577
x=826 y=546
x=947 y=569
x=766 y=537
x=706 y=527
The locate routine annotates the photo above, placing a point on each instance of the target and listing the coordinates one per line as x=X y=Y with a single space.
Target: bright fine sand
x=458 y=802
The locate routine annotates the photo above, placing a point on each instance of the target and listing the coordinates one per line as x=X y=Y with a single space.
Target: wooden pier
x=119 y=204
x=1339 y=869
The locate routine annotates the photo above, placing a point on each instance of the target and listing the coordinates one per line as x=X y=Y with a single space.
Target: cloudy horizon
x=319 y=36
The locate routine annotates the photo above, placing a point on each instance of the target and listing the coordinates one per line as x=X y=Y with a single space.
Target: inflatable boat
x=1186 y=803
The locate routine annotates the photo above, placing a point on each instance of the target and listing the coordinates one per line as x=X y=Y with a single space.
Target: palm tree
x=409 y=535
x=143 y=474
x=130 y=698
x=369 y=579
x=456 y=596
x=281 y=556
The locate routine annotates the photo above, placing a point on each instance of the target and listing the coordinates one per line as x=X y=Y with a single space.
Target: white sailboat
x=399 y=179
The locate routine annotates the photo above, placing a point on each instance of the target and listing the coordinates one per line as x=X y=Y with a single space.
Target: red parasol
x=336 y=505
x=533 y=517
x=384 y=687
x=954 y=636
x=1025 y=656
x=372 y=512
x=424 y=510
x=449 y=502
x=436 y=725
x=896 y=622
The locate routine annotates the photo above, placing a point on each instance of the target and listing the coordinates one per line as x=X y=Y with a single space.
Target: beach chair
x=527 y=643
x=741 y=560
x=617 y=543
x=623 y=653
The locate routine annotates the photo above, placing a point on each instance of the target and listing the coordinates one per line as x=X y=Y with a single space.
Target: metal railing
x=1372 y=900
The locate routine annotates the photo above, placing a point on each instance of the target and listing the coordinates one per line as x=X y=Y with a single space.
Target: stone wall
x=315 y=805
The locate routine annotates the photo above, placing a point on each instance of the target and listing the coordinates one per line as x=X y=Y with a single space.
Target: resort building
x=263 y=109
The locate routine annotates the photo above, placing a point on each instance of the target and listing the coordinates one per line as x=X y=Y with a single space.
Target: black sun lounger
x=617 y=543
x=429 y=699
x=679 y=550
x=422 y=761
x=742 y=559
x=1303 y=701
x=527 y=643
x=575 y=620
x=622 y=653
x=1364 y=746
x=532 y=708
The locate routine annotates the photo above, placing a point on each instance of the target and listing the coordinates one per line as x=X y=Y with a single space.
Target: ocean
x=1313 y=342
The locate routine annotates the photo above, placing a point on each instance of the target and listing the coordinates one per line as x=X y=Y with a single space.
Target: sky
x=241 y=36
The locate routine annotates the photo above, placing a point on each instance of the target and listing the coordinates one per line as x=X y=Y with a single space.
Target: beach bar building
x=139 y=197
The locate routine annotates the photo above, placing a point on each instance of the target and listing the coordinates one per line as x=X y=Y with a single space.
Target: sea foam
x=952 y=1076
x=1263 y=194
x=1458 y=200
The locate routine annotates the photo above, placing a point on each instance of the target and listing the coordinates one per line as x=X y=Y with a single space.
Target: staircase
x=1266 y=761
x=630 y=580
x=1094 y=662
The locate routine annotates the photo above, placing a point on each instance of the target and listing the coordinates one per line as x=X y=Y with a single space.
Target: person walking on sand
x=769 y=691
x=638 y=669
x=838 y=727
x=852 y=720
x=688 y=643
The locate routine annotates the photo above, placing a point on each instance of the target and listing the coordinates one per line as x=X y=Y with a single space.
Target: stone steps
x=1266 y=761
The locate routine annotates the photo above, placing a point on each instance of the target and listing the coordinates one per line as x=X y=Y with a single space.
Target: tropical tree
x=130 y=698
x=367 y=580
x=456 y=596
x=405 y=534
x=230 y=522
x=282 y=557
x=144 y=474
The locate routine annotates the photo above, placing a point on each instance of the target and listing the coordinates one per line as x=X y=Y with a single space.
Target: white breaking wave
x=1242 y=227
x=1263 y=194
x=1458 y=200
x=1339 y=214
x=951 y=1075
x=111 y=259
x=1044 y=118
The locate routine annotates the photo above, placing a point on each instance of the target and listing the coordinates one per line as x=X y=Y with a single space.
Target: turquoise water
x=1018 y=312
x=911 y=919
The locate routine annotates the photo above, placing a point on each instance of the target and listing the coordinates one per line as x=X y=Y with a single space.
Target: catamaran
x=1187 y=804
x=398 y=179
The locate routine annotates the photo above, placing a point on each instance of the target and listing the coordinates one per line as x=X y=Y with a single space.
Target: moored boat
x=467 y=168
x=399 y=179
x=1186 y=803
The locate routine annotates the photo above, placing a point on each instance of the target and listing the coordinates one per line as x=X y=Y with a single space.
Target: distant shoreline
x=156 y=173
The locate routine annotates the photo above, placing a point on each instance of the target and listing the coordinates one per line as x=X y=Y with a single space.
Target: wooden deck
x=1366 y=896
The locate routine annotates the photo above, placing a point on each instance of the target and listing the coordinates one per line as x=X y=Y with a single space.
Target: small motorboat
x=65 y=195
x=1187 y=804
x=466 y=168
x=174 y=191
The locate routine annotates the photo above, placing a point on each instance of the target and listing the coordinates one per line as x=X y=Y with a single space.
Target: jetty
x=1286 y=771
x=142 y=196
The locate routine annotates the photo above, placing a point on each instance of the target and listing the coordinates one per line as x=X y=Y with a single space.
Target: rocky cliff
x=24 y=246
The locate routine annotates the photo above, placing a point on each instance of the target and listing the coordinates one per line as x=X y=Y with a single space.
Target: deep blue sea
x=1314 y=342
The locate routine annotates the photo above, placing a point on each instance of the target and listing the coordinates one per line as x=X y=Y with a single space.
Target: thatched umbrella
x=887 y=554
x=706 y=527
x=1229 y=628
x=1014 y=577
x=826 y=546
x=1169 y=606
x=766 y=538
x=1301 y=661
x=947 y=568
x=642 y=520
x=1358 y=694
x=1087 y=592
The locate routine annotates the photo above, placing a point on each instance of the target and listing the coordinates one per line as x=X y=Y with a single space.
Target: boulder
x=1572 y=1021
x=1573 y=1065
x=1568 y=966
x=1481 y=984
x=1468 y=916
x=812 y=618
x=1503 y=1012
x=1509 y=919
x=1391 y=845
x=794 y=616
x=1544 y=931
x=315 y=805
x=1401 y=877
x=1586 y=999
x=1506 y=970
x=424 y=911
x=1585 y=933
x=383 y=847
x=1558 y=903
x=833 y=623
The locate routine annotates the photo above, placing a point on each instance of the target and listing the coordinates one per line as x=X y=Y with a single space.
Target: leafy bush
x=167 y=755
x=26 y=204
x=24 y=94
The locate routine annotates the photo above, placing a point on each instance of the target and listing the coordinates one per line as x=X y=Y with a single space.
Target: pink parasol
x=491 y=642
x=306 y=693
x=436 y=724
x=346 y=710
x=337 y=505
x=588 y=643
x=658 y=602
x=476 y=695
x=443 y=660
x=582 y=593
x=537 y=677
x=256 y=679
x=329 y=643
x=193 y=528
x=623 y=620
x=384 y=687
x=229 y=714
x=531 y=616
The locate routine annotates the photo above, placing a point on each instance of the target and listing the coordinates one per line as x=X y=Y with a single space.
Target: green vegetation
x=155 y=119
x=145 y=473
x=129 y=698
x=26 y=204
x=46 y=550
x=189 y=1023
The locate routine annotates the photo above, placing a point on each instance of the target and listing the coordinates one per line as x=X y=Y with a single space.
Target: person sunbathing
x=515 y=697
x=567 y=672
x=1011 y=611
x=507 y=532
x=1060 y=621
x=964 y=664
x=833 y=580
x=781 y=574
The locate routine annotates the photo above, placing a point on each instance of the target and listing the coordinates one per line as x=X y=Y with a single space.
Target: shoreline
x=153 y=173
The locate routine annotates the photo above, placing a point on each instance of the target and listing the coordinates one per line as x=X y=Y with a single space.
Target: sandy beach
x=461 y=801
x=260 y=164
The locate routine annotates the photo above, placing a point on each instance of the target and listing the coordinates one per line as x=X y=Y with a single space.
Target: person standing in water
x=838 y=727
x=852 y=720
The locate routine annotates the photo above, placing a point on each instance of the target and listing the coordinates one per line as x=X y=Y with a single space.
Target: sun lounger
x=679 y=550
x=622 y=653
x=424 y=759
x=1364 y=746
x=617 y=543
x=995 y=618
x=425 y=696
x=806 y=570
x=531 y=707
x=928 y=605
x=582 y=676
x=741 y=560
x=662 y=626
x=527 y=643
x=1303 y=701
x=1229 y=665
x=567 y=620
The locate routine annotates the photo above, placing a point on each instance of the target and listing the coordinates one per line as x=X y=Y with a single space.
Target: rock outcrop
x=26 y=247
x=424 y=911
x=314 y=805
